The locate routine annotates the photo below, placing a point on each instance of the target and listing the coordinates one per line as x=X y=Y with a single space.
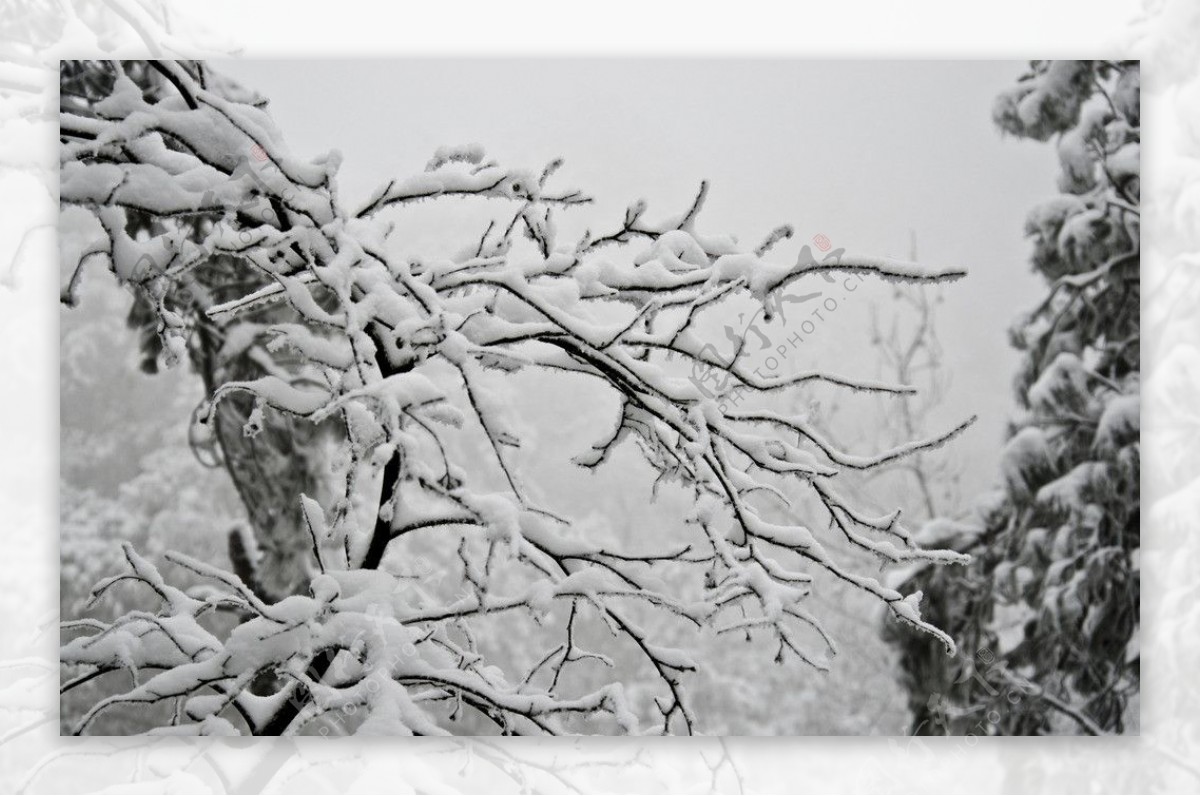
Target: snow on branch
x=401 y=349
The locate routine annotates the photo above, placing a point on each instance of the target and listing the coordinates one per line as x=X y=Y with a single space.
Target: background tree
x=1047 y=613
x=445 y=597
x=282 y=460
x=905 y=337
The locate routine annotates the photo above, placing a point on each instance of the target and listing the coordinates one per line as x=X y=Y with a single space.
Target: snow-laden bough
x=402 y=350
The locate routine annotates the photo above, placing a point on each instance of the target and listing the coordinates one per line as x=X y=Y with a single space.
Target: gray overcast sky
x=859 y=151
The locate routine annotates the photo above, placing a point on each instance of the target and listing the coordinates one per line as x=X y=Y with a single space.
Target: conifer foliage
x=1047 y=613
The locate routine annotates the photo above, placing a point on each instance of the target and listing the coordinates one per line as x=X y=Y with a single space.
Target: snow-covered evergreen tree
x=419 y=568
x=1047 y=614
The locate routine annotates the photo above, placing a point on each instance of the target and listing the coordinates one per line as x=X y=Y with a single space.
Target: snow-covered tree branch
x=410 y=555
